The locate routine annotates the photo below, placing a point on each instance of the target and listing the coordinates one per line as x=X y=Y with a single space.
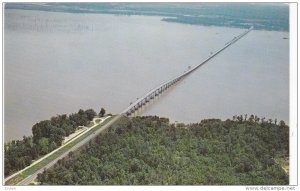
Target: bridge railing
x=152 y=93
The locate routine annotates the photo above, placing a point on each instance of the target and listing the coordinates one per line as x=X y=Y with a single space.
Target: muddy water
x=56 y=63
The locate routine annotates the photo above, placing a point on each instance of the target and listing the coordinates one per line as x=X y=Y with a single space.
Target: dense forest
x=150 y=150
x=47 y=135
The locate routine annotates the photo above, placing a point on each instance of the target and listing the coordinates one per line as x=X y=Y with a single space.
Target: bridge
x=127 y=112
x=141 y=102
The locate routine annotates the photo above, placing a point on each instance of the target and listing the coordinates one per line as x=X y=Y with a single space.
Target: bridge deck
x=162 y=87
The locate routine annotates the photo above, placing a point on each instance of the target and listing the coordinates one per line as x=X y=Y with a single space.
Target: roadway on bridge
x=137 y=104
x=164 y=86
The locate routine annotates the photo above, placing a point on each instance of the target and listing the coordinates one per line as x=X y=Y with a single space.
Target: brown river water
x=57 y=63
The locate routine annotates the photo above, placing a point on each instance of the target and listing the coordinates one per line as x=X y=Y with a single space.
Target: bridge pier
x=157 y=92
x=150 y=97
x=140 y=104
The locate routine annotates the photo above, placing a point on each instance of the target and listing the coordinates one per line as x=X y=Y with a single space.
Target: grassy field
x=97 y=120
x=42 y=163
x=90 y=124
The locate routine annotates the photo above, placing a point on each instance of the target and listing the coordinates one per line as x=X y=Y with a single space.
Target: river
x=57 y=63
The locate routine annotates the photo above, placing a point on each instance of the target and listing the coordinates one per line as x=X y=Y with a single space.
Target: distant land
x=91 y=148
x=263 y=16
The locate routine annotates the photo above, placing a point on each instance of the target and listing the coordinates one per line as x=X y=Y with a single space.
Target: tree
x=256 y=119
x=68 y=129
x=251 y=118
x=90 y=114
x=234 y=118
x=79 y=119
x=80 y=112
x=70 y=154
x=7 y=167
x=243 y=164
x=43 y=144
x=240 y=118
x=149 y=150
x=282 y=123
x=37 y=133
x=102 y=112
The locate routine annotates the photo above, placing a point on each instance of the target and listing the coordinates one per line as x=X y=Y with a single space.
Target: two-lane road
x=33 y=176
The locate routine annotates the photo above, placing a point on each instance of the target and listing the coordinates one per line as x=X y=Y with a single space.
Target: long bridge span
x=141 y=102
x=127 y=112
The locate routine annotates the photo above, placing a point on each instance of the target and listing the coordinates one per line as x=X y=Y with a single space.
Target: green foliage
x=102 y=112
x=18 y=154
x=43 y=144
x=90 y=113
x=47 y=136
x=149 y=150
